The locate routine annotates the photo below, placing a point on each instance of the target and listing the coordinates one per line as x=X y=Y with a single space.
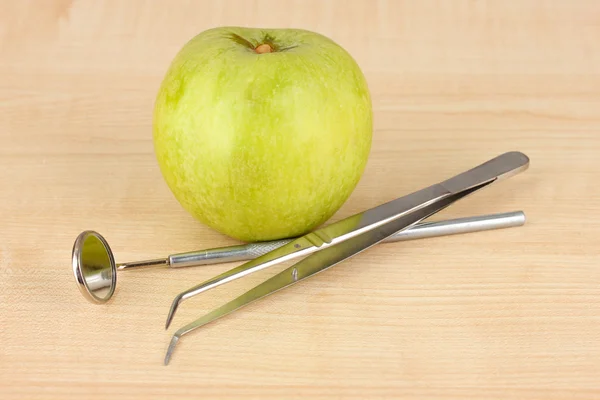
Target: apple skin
x=262 y=146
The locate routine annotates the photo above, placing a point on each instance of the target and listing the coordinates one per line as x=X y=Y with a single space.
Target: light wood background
x=504 y=314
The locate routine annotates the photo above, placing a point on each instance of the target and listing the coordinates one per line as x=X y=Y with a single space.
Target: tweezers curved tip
x=172 y=345
x=172 y=310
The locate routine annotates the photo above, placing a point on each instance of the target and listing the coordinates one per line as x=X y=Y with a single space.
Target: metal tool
x=344 y=239
x=96 y=272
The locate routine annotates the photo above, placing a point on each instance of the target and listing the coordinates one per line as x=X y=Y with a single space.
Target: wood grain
x=504 y=314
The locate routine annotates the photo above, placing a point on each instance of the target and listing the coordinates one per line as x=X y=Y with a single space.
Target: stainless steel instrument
x=96 y=272
x=339 y=241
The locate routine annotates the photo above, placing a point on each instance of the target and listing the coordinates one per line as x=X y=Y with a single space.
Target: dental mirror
x=94 y=267
x=96 y=271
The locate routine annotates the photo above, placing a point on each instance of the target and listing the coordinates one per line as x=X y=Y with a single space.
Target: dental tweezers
x=346 y=238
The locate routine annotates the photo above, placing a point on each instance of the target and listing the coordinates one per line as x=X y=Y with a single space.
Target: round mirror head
x=94 y=267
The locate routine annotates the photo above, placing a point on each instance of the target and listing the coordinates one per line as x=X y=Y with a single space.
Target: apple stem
x=263 y=48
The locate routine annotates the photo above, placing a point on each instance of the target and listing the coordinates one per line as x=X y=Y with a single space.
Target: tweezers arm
x=320 y=261
x=505 y=165
x=281 y=254
x=501 y=167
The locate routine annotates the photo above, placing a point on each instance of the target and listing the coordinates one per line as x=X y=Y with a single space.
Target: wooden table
x=504 y=314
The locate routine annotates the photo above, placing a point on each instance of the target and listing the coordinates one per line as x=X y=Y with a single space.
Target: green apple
x=262 y=134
